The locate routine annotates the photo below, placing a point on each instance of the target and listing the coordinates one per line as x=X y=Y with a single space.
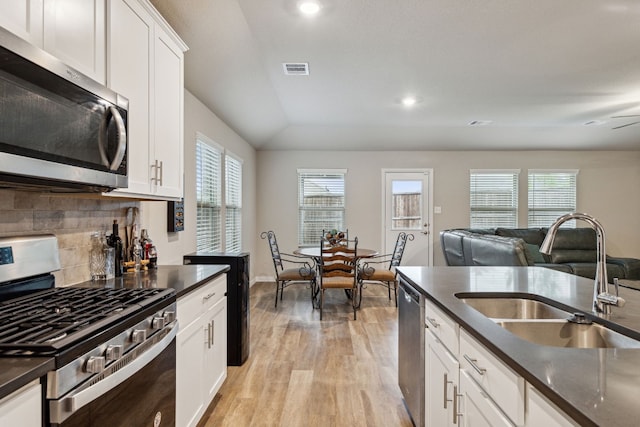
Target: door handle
x=426 y=228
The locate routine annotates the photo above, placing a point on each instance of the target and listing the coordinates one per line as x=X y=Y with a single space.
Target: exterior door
x=407 y=198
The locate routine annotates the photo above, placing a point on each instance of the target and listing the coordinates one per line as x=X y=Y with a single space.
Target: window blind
x=493 y=198
x=321 y=202
x=233 y=204
x=208 y=197
x=551 y=194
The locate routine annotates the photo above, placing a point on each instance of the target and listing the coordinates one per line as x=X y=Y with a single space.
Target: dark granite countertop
x=16 y=372
x=182 y=278
x=594 y=386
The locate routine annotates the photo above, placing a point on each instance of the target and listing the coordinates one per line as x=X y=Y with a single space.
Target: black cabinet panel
x=237 y=300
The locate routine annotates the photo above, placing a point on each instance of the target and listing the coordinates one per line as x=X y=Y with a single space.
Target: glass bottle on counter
x=100 y=258
x=116 y=243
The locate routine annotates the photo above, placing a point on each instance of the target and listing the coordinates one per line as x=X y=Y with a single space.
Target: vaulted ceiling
x=534 y=74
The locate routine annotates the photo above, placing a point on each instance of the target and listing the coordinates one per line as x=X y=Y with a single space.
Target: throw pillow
x=536 y=255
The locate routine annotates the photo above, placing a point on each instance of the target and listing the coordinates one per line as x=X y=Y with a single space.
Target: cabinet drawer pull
x=433 y=322
x=473 y=363
x=209 y=296
x=456 y=396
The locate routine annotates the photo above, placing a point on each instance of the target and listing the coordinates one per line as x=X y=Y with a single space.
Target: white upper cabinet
x=23 y=18
x=145 y=64
x=71 y=30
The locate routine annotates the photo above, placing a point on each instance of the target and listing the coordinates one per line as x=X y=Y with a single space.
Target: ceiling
x=537 y=69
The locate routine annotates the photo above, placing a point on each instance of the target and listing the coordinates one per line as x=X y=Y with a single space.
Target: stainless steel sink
x=515 y=308
x=567 y=334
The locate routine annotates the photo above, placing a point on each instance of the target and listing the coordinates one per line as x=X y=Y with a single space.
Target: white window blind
x=494 y=198
x=208 y=197
x=321 y=203
x=233 y=204
x=551 y=194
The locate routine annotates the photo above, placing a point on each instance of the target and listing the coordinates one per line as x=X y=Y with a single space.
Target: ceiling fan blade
x=619 y=117
x=624 y=126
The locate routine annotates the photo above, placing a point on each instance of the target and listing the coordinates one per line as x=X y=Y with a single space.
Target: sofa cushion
x=529 y=235
x=562 y=256
x=558 y=267
x=452 y=248
x=575 y=238
x=534 y=254
x=588 y=270
x=497 y=251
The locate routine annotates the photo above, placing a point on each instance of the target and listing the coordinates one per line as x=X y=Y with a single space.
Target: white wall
x=608 y=188
x=172 y=246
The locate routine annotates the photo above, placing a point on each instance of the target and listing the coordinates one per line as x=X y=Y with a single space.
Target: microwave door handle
x=122 y=139
x=121 y=150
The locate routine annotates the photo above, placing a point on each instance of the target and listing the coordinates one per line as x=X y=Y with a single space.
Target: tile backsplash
x=72 y=219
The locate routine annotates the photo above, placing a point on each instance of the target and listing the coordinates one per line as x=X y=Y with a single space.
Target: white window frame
x=208 y=196
x=233 y=202
x=493 y=198
x=546 y=205
x=310 y=230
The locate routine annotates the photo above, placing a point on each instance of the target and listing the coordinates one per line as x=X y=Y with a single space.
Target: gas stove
x=105 y=341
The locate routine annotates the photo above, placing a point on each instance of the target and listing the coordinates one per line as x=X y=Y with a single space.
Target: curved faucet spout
x=600 y=288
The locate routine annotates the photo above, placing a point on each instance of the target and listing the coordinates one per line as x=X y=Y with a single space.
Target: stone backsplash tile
x=72 y=219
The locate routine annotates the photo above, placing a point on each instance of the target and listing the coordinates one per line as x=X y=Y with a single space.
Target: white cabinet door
x=23 y=407
x=23 y=18
x=130 y=43
x=477 y=409
x=542 y=412
x=189 y=376
x=168 y=110
x=441 y=372
x=215 y=359
x=74 y=31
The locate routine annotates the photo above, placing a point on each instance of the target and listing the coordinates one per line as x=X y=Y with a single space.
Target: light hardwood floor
x=304 y=372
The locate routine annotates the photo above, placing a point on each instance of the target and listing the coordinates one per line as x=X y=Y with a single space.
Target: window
x=233 y=203
x=321 y=203
x=494 y=198
x=208 y=195
x=551 y=194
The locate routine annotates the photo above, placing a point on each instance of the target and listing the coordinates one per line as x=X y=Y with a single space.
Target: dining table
x=314 y=252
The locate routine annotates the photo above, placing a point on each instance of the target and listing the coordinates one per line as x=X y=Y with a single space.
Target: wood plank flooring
x=304 y=372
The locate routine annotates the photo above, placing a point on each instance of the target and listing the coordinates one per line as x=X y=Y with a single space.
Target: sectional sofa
x=574 y=251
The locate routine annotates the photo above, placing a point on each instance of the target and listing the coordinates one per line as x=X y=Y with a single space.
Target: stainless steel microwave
x=59 y=129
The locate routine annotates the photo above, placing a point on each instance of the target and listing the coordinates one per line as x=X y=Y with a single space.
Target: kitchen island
x=591 y=386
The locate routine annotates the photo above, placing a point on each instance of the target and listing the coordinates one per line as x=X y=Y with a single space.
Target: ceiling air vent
x=296 y=68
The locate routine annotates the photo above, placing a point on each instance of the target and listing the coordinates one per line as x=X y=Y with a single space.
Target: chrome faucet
x=602 y=299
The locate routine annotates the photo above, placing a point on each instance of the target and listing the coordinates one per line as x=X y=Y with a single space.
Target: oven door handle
x=63 y=408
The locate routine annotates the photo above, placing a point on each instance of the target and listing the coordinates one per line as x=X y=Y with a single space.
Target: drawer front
x=197 y=302
x=542 y=412
x=443 y=327
x=502 y=384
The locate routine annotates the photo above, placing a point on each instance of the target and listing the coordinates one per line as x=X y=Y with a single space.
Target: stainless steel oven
x=114 y=348
x=58 y=128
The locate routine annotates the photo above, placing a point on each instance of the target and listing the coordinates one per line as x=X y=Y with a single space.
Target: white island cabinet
x=23 y=407
x=201 y=358
x=146 y=65
x=71 y=30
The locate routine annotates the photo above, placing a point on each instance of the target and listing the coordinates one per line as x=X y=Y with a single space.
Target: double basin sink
x=543 y=324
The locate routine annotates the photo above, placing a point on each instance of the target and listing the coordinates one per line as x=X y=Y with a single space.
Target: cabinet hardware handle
x=433 y=322
x=209 y=335
x=209 y=296
x=473 y=363
x=456 y=396
x=213 y=332
x=446 y=381
x=161 y=174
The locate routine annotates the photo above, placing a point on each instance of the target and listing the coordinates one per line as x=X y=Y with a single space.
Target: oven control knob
x=138 y=335
x=157 y=323
x=169 y=316
x=95 y=364
x=114 y=352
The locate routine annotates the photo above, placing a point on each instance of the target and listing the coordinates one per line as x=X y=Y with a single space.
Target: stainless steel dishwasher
x=411 y=350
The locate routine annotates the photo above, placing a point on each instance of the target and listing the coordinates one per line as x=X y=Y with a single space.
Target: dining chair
x=298 y=269
x=381 y=269
x=338 y=269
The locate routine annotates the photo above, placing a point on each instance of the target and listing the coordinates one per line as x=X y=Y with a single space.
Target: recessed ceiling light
x=309 y=7
x=409 y=101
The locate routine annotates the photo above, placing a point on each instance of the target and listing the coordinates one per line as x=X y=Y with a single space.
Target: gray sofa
x=574 y=251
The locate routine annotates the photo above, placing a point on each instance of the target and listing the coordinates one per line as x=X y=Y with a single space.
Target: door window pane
x=406 y=205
